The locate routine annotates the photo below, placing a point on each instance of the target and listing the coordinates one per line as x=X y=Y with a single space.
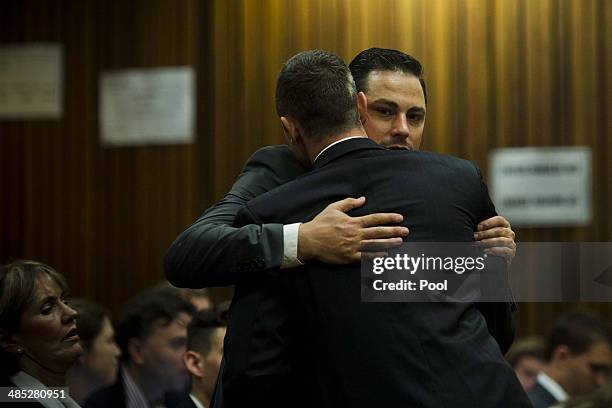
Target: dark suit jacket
x=540 y=397
x=357 y=354
x=213 y=253
x=114 y=396
x=111 y=396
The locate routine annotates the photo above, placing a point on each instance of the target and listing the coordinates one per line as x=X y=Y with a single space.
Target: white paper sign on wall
x=147 y=106
x=549 y=186
x=31 y=81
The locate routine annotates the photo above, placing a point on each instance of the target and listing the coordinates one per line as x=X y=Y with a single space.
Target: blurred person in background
x=600 y=398
x=98 y=365
x=152 y=335
x=203 y=358
x=199 y=298
x=579 y=359
x=526 y=356
x=38 y=330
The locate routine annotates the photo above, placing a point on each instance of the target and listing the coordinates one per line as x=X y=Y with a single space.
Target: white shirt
x=24 y=380
x=196 y=401
x=290 y=231
x=552 y=387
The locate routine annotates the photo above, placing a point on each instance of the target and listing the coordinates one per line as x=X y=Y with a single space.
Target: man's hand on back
x=336 y=238
x=496 y=233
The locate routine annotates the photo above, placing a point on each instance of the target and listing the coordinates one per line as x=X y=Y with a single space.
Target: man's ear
x=193 y=362
x=8 y=343
x=292 y=130
x=561 y=353
x=362 y=107
x=134 y=349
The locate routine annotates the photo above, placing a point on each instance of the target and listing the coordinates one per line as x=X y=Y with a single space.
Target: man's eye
x=415 y=118
x=385 y=112
x=46 y=309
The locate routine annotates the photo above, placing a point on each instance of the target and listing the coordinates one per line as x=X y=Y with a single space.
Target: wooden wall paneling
x=440 y=18
x=506 y=67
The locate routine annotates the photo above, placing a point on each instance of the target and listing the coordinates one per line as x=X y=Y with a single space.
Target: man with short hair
x=526 y=356
x=247 y=253
x=346 y=352
x=205 y=336
x=579 y=360
x=152 y=335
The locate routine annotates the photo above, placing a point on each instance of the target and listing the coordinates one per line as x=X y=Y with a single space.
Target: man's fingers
x=373 y=220
x=373 y=245
x=497 y=242
x=384 y=232
x=347 y=204
x=371 y=255
x=497 y=221
x=495 y=233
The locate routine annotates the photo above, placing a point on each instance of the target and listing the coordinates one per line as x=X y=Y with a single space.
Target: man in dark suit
x=203 y=358
x=211 y=253
x=349 y=353
x=579 y=357
x=152 y=334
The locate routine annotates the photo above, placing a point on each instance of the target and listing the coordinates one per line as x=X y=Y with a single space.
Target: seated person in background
x=152 y=335
x=526 y=356
x=600 y=398
x=203 y=358
x=38 y=333
x=98 y=365
x=579 y=359
x=199 y=298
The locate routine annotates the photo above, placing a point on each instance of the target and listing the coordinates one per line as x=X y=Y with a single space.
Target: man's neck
x=314 y=149
x=558 y=376
x=198 y=391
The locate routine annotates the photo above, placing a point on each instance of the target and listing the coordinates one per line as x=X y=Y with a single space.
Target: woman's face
x=102 y=360
x=47 y=333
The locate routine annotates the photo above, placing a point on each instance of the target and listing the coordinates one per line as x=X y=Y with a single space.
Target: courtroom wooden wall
x=499 y=73
x=102 y=216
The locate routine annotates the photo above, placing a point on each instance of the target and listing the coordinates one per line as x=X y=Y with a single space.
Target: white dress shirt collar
x=196 y=401
x=553 y=387
x=335 y=143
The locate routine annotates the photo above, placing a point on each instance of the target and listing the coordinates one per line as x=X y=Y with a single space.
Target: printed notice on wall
x=30 y=81
x=542 y=186
x=147 y=106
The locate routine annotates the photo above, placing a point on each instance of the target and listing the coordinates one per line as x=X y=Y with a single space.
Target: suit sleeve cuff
x=290 y=246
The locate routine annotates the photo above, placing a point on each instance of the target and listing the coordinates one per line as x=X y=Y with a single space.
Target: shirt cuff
x=290 y=246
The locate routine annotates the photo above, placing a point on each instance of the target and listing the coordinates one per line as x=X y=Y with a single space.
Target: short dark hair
x=578 y=331
x=316 y=89
x=144 y=312
x=384 y=59
x=89 y=320
x=17 y=286
x=201 y=328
